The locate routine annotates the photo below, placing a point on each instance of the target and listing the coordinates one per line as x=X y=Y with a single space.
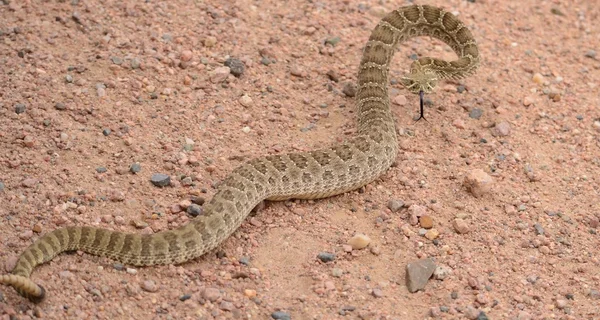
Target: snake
x=312 y=174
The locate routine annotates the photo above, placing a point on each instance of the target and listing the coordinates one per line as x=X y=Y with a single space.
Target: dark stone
x=160 y=179
x=326 y=256
x=135 y=168
x=20 y=108
x=280 y=315
x=194 y=210
x=236 y=66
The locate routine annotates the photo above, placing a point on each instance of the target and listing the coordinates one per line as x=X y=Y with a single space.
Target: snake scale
x=303 y=175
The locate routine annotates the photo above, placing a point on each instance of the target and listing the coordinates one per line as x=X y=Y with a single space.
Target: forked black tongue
x=421 y=108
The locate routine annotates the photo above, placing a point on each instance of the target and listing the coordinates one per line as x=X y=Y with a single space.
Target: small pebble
x=501 y=129
x=160 y=179
x=135 y=168
x=400 y=100
x=475 y=113
x=219 y=74
x=359 y=241
x=395 y=205
x=426 y=222
x=194 y=210
x=349 y=89
x=20 y=108
x=106 y=132
x=461 y=226
x=29 y=183
x=245 y=261
x=337 y=272
x=250 y=293
x=211 y=294
x=326 y=256
x=185 y=297
x=60 y=106
x=280 y=315
x=441 y=272
x=538 y=78
x=149 y=286
x=591 y=54
x=101 y=170
x=432 y=234
x=246 y=101
x=478 y=182
x=131 y=270
x=236 y=66
x=377 y=293
x=539 y=230
x=118 y=266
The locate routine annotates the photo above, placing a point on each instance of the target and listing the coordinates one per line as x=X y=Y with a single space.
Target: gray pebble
x=444 y=309
x=245 y=260
x=236 y=66
x=60 y=106
x=106 y=132
x=135 y=63
x=185 y=297
x=418 y=273
x=118 y=266
x=460 y=89
x=2 y=186
x=194 y=210
x=395 y=205
x=454 y=295
x=280 y=315
x=116 y=60
x=135 y=168
x=475 y=113
x=332 y=41
x=167 y=37
x=482 y=316
x=101 y=170
x=413 y=56
x=20 y=108
x=265 y=61
x=160 y=179
x=326 y=256
x=69 y=78
x=539 y=230
x=591 y=54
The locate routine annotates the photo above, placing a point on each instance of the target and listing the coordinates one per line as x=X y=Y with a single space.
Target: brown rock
x=426 y=222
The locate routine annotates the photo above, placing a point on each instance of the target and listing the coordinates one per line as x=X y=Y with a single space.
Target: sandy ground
x=88 y=89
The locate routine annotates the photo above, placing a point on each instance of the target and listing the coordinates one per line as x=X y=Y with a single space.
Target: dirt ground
x=89 y=88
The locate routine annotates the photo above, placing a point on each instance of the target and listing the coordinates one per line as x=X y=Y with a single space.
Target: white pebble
x=131 y=271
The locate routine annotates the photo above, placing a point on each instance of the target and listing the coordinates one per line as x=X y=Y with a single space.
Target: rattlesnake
x=304 y=175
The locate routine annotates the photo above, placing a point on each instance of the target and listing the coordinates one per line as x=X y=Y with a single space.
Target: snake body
x=305 y=175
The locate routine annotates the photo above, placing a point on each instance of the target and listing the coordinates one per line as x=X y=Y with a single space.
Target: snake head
x=420 y=80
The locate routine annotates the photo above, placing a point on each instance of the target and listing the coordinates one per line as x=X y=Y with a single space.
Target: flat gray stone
x=418 y=273
x=160 y=179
